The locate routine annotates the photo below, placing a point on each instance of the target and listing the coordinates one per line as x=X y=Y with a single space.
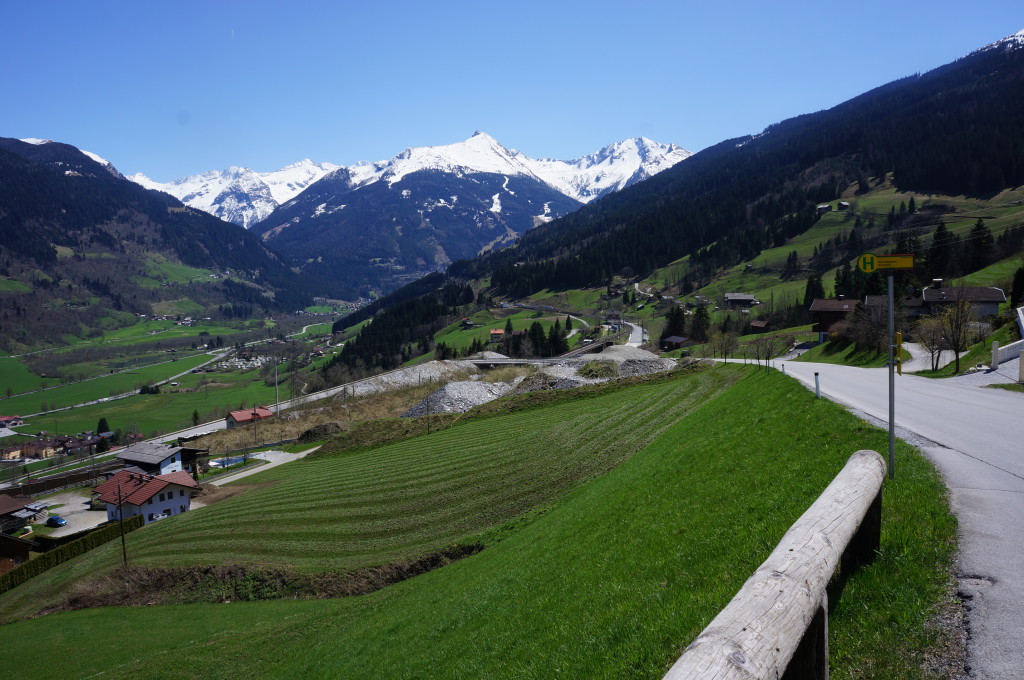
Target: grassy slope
x=612 y=581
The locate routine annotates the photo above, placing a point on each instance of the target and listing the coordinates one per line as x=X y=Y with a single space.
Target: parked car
x=55 y=521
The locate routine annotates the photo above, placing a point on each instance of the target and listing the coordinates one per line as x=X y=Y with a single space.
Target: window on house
x=161 y=498
x=181 y=492
x=182 y=508
x=150 y=501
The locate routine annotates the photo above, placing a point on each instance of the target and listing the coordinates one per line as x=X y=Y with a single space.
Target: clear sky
x=176 y=88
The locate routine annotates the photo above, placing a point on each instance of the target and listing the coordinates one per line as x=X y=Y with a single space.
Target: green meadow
x=615 y=522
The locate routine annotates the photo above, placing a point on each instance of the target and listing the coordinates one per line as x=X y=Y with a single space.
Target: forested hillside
x=955 y=130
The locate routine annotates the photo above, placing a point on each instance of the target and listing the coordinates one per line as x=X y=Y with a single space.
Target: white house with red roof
x=152 y=496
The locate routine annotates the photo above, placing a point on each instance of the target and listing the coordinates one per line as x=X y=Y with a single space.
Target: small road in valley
x=974 y=435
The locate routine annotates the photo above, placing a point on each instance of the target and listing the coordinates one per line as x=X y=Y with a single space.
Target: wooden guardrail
x=777 y=624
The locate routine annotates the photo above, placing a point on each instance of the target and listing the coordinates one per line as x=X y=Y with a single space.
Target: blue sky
x=172 y=89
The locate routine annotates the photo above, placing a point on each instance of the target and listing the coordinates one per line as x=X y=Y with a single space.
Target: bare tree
x=956 y=324
x=765 y=346
x=929 y=334
x=723 y=344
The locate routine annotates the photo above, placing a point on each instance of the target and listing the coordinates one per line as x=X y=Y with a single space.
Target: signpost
x=870 y=263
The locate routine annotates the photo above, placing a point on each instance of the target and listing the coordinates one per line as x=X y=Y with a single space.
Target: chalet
x=158 y=459
x=248 y=415
x=739 y=300
x=676 y=342
x=10 y=452
x=497 y=334
x=11 y=421
x=844 y=205
x=17 y=511
x=933 y=300
x=155 y=497
x=758 y=326
x=467 y=322
x=826 y=313
x=14 y=551
x=985 y=301
x=913 y=306
x=824 y=208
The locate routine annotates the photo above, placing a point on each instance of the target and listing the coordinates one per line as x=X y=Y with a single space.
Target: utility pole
x=120 y=518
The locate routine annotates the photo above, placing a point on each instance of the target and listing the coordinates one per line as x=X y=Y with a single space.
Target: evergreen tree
x=815 y=290
x=102 y=426
x=568 y=323
x=940 y=253
x=701 y=322
x=675 y=323
x=980 y=245
x=195 y=417
x=1017 y=288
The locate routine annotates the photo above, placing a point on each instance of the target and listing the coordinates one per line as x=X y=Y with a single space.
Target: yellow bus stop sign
x=869 y=262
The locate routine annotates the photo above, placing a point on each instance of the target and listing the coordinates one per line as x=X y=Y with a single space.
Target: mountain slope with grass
x=609 y=571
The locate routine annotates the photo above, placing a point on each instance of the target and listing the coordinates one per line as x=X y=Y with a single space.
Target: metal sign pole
x=892 y=385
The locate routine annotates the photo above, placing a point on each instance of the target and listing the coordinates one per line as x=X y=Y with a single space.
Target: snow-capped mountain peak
x=1011 y=42
x=245 y=197
x=238 y=194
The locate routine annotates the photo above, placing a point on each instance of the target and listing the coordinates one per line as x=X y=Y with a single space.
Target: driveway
x=973 y=435
x=75 y=509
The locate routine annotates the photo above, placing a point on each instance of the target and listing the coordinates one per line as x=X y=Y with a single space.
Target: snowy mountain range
x=241 y=195
x=245 y=197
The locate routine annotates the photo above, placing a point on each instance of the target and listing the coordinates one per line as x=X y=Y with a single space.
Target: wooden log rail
x=777 y=624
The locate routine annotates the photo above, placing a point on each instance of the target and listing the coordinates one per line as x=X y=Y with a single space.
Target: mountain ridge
x=246 y=197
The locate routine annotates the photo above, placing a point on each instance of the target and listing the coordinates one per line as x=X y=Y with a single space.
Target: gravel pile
x=432 y=371
x=460 y=396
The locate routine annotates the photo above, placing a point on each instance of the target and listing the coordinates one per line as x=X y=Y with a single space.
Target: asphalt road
x=975 y=436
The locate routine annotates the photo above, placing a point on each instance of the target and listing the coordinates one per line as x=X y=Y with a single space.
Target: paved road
x=975 y=438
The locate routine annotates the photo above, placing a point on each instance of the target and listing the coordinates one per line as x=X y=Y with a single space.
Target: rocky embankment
x=619 y=361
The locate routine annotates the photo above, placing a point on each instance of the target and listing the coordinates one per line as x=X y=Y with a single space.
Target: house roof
x=136 y=488
x=247 y=414
x=883 y=300
x=759 y=323
x=10 y=504
x=147 y=452
x=739 y=296
x=833 y=305
x=970 y=294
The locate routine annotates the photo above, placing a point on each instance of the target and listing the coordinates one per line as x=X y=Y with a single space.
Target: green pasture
x=98 y=388
x=993 y=275
x=18 y=377
x=458 y=337
x=581 y=299
x=615 y=526
x=316 y=330
x=171 y=409
x=159 y=270
x=12 y=286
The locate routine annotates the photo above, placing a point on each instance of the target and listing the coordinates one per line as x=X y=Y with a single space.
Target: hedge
x=66 y=552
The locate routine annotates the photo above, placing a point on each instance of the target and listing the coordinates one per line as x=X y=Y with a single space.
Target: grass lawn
x=16 y=375
x=97 y=388
x=839 y=352
x=171 y=409
x=616 y=524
